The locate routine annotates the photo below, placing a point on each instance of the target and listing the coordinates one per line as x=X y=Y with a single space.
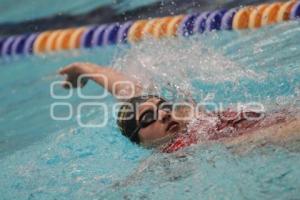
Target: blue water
x=41 y=158
x=17 y=11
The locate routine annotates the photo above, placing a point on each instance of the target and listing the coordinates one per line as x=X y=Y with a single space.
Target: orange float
x=160 y=30
x=270 y=14
x=75 y=37
x=39 y=45
x=241 y=18
x=284 y=11
x=149 y=27
x=256 y=15
x=135 y=32
x=172 y=26
x=51 y=40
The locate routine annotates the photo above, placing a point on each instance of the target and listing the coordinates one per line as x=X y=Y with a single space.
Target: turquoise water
x=17 y=11
x=41 y=158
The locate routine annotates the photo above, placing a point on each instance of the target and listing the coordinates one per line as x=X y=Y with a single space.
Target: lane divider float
x=249 y=17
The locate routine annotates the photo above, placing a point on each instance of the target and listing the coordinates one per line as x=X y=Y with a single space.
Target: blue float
x=97 y=39
x=187 y=25
x=6 y=46
x=86 y=38
x=200 y=21
x=123 y=31
x=18 y=45
x=28 y=47
x=110 y=34
x=1 y=43
x=214 y=20
x=295 y=12
x=227 y=19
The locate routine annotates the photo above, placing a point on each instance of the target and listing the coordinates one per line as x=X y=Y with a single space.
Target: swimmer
x=152 y=121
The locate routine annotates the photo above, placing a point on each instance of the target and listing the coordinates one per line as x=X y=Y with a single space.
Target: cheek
x=152 y=132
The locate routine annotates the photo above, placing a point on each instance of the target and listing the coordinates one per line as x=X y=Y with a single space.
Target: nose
x=164 y=116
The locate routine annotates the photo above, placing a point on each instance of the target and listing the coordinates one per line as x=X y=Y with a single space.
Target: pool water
x=16 y=11
x=42 y=158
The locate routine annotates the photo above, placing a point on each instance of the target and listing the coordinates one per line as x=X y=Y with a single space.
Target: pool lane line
x=248 y=17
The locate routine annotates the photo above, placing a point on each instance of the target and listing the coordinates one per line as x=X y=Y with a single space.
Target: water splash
x=173 y=64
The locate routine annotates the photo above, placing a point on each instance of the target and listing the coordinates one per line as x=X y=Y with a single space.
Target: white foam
x=175 y=63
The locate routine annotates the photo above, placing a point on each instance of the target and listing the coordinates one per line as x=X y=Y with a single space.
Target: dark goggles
x=150 y=116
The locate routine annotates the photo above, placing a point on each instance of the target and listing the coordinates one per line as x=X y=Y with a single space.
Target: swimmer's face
x=164 y=126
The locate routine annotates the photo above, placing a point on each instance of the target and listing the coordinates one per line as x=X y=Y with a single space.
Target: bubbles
x=173 y=64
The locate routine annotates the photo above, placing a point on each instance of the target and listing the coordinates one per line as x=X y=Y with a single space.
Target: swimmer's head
x=147 y=119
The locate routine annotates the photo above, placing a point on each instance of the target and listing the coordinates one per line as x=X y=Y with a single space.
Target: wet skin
x=163 y=129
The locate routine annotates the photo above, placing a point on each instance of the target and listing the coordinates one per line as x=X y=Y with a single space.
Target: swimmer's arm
x=114 y=81
x=282 y=133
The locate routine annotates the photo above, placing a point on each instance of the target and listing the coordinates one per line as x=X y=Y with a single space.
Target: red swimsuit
x=220 y=125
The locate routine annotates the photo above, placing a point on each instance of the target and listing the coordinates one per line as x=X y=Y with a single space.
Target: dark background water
x=116 y=11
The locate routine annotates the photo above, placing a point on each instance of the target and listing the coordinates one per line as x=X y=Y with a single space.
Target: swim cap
x=127 y=121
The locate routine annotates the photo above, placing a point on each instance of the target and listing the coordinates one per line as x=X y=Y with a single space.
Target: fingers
x=72 y=73
x=66 y=85
x=66 y=69
x=69 y=68
x=83 y=82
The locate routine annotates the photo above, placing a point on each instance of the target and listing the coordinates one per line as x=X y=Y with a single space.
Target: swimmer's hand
x=77 y=74
x=117 y=83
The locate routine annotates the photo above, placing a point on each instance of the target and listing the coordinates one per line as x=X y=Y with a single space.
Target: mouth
x=172 y=127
